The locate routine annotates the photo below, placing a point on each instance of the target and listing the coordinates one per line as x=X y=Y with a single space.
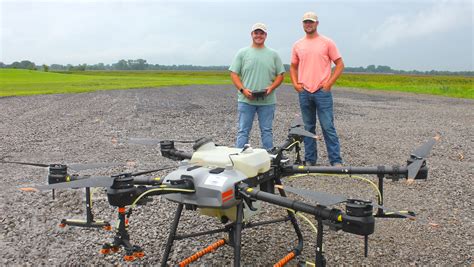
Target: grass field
x=25 y=82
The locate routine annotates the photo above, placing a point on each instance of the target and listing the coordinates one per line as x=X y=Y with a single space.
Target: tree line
x=142 y=64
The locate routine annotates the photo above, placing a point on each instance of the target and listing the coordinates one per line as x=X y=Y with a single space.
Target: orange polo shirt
x=314 y=57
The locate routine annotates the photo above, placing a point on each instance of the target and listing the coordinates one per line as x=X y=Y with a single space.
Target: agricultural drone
x=229 y=184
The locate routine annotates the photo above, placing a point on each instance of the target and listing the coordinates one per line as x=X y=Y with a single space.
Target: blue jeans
x=319 y=105
x=265 y=120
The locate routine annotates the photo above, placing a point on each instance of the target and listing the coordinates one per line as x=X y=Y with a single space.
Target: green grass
x=24 y=82
x=452 y=86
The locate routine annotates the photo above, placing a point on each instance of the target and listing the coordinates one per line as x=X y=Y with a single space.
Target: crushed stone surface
x=375 y=128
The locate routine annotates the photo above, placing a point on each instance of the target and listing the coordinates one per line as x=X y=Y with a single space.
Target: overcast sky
x=403 y=34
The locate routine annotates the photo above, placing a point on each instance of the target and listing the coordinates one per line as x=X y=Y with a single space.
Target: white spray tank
x=248 y=160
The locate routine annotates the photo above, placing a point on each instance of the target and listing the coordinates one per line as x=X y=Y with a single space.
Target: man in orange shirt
x=310 y=72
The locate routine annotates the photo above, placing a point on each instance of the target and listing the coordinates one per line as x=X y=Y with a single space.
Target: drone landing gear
x=234 y=231
x=89 y=222
x=122 y=239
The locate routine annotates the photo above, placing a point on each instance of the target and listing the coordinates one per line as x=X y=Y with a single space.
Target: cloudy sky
x=403 y=34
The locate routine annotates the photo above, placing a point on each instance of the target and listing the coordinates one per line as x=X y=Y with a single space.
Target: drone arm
x=352 y=223
x=401 y=171
x=318 y=211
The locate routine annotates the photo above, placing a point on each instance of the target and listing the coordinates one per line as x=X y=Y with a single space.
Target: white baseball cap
x=310 y=16
x=259 y=26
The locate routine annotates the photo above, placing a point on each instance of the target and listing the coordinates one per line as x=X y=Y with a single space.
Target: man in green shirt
x=256 y=72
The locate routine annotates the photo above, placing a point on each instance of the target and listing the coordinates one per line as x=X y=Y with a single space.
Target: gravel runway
x=375 y=128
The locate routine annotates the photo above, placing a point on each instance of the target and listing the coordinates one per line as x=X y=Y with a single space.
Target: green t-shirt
x=257 y=69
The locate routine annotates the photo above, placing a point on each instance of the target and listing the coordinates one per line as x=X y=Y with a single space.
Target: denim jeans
x=265 y=115
x=319 y=105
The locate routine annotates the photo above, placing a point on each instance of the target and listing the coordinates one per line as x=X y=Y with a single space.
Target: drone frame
x=126 y=189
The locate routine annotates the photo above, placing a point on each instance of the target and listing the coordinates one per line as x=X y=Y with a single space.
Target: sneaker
x=309 y=163
x=337 y=165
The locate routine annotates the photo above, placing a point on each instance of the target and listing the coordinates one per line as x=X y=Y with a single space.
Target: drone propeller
x=152 y=141
x=302 y=132
x=297 y=122
x=86 y=181
x=297 y=128
x=73 y=166
x=424 y=150
x=418 y=156
x=323 y=199
x=90 y=181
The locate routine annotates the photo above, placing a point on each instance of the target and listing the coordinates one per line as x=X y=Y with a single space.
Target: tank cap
x=247 y=149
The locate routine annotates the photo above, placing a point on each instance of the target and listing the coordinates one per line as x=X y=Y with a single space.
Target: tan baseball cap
x=310 y=16
x=259 y=26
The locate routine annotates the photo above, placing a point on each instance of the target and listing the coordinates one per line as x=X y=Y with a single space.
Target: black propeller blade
x=424 y=150
x=321 y=198
x=418 y=156
x=91 y=181
x=25 y=163
x=152 y=141
x=143 y=141
x=413 y=169
x=297 y=128
x=73 y=166
x=297 y=122
x=302 y=132
x=82 y=182
x=406 y=215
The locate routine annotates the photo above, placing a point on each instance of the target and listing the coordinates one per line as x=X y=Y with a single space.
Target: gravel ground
x=375 y=128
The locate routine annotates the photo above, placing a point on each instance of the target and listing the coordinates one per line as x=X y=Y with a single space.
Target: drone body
x=214 y=171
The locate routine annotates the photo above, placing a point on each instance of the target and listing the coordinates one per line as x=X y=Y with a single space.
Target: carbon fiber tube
x=318 y=211
x=403 y=170
x=352 y=223
x=147 y=181
x=400 y=171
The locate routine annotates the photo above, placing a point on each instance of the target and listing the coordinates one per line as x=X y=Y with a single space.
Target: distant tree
x=2 y=65
x=80 y=67
x=45 y=68
x=26 y=64
x=57 y=67
x=384 y=69
x=15 y=65
x=371 y=68
x=121 y=65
